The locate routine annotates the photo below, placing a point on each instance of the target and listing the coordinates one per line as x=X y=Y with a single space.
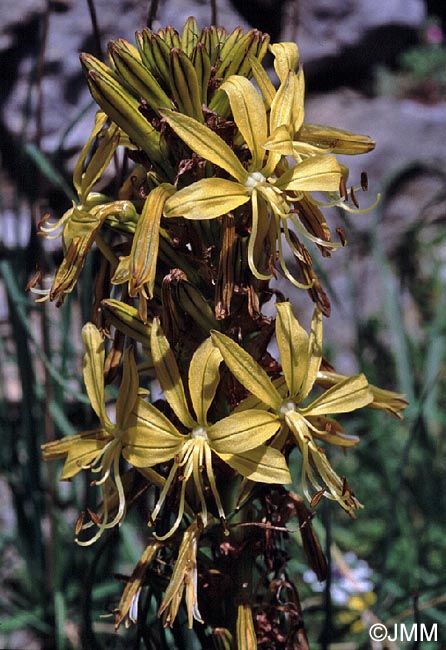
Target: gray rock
x=325 y=27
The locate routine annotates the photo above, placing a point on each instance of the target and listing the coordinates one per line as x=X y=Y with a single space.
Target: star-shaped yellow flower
x=267 y=181
x=237 y=439
x=300 y=356
x=100 y=450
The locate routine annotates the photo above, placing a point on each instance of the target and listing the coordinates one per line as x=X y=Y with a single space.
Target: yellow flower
x=184 y=577
x=100 y=450
x=128 y=604
x=269 y=130
x=237 y=439
x=300 y=356
x=267 y=182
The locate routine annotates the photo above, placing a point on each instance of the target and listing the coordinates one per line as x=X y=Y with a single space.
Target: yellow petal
x=205 y=143
x=316 y=173
x=280 y=141
x=329 y=430
x=241 y=431
x=80 y=454
x=282 y=106
x=100 y=120
x=94 y=372
x=153 y=440
x=204 y=378
x=351 y=394
x=100 y=160
x=298 y=105
x=247 y=371
x=249 y=115
x=314 y=354
x=168 y=374
x=262 y=464
x=263 y=81
x=206 y=199
x=292 y=340
x=144 y=253
x=286 y=58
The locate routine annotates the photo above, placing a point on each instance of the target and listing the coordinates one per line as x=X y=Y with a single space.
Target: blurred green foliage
x=54 y=594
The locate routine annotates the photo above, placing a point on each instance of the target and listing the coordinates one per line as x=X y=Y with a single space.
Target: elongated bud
x=126 y=608
x=126 y=319
x=190 y=35
x=336 y=140
x=123 y=109
x=108 y=143
x=144 y=253
x=202 y=66
x=137 y=78
x=211 y=40
x=184 y=85
x=225 y=278
x=192 y=301
x=155 y=53
x=171 y=37
x=246 y=634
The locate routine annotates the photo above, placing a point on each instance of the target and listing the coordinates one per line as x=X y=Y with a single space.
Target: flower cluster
x=224 y=171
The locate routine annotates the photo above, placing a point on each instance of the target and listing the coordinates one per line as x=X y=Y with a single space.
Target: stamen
x=364 y=181
x=353 y=197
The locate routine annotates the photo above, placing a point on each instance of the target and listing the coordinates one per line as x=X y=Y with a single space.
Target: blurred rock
x=325 y=27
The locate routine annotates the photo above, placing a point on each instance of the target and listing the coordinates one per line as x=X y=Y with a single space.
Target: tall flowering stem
x=224 y=187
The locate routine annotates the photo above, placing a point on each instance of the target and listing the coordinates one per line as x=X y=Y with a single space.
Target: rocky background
x=46 y=113
x=45 y=104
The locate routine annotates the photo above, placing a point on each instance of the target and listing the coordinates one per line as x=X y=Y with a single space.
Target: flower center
x=254 y=179
x=286 y=408
x=199 y=432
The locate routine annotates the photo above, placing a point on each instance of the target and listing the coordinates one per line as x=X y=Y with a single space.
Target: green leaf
x=204 y=378
x=247 y=371
x=205 y=143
